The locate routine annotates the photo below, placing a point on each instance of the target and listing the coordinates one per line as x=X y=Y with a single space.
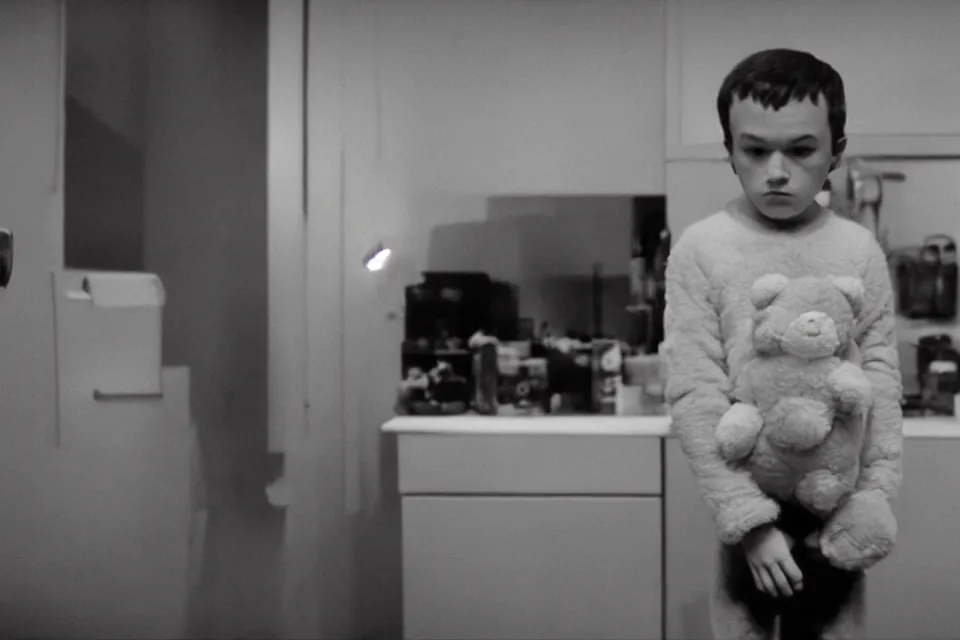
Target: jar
x=940 y=386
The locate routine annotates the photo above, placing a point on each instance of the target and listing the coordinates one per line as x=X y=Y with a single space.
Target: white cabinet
x=914 y=592
x=894 y=57
x=690 y=553
x=103 y=541
x=553 y=568
x=542 y=537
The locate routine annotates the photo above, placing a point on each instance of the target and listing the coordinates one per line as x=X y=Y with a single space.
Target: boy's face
x=782 y=158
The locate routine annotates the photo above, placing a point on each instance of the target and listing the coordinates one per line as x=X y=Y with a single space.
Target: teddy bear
x=801 y=410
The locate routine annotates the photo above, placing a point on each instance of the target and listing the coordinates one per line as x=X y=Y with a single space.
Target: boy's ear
x=729 y=148
x=840 y=146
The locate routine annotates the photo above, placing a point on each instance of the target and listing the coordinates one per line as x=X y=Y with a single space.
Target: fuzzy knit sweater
x=708 y=324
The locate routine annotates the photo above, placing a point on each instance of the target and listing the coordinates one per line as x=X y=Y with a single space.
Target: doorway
x=165 y=172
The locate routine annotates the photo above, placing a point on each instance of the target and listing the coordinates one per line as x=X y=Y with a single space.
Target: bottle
x=940 y=386
x=486 y=378
x=948 y=286
x=926 y=276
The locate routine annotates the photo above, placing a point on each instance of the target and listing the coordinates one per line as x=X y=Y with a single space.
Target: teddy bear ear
x=766 y=289
x=853 y=289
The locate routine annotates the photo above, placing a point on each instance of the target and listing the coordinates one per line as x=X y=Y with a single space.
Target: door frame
x=306 y=315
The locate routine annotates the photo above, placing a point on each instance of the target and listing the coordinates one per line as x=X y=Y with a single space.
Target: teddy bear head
x=806 y=317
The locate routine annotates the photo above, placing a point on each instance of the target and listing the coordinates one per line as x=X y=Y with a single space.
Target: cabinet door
x=889 y=52
x=552 y=568
x=690 y=552
x=914 y=592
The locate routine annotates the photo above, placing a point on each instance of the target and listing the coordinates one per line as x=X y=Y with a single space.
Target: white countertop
x=587 y=425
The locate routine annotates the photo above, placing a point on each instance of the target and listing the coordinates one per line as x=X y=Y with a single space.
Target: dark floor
x=239 y=591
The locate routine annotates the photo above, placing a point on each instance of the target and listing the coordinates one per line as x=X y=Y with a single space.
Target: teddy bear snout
x=812 y=323
x=811 y=335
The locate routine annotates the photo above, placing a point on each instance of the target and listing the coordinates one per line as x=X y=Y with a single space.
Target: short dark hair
x=775 y=77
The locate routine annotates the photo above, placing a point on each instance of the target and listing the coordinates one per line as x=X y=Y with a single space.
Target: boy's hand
x=768 y=555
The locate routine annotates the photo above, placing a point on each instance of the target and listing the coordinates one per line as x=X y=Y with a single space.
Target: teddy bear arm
x=744 y=386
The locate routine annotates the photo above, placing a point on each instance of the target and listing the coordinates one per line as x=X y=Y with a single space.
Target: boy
x=783 y=114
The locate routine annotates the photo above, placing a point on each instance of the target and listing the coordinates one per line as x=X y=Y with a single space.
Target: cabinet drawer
x=550 y=568
x=529 y=464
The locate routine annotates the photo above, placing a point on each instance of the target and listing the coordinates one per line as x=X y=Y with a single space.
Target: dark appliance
x=446 y=309
x=926 y=282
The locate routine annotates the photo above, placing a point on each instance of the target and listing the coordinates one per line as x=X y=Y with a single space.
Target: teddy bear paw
x=861 y=533
x=852 y=388
x=738 y=430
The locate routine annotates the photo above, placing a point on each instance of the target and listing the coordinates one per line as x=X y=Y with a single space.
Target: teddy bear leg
x=798 y=424
x=738 y=611
x=738 y=430
x=821 y=491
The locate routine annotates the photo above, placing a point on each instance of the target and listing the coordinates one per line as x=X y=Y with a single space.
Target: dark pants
x=829 y=606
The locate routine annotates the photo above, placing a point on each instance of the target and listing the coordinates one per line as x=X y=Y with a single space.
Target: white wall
x=32 y=208
x=28 y=188
x=510 y=97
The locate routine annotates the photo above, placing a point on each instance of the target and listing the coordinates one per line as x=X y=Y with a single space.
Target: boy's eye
x=755 y=152
x=801 y=152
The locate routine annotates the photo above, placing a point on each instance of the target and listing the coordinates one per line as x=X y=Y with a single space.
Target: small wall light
x=376 y=259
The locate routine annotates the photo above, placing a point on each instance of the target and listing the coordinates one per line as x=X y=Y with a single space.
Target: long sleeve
x=697 y=392
x=881 y=466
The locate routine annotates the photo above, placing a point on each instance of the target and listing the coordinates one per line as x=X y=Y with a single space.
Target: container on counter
x=940 y=387
x=486 y=379
x=607 y=370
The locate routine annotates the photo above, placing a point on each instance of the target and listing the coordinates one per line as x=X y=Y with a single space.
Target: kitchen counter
x=587 y=425
x=593 y=527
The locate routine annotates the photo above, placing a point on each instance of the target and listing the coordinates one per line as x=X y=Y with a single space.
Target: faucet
x=865 y=194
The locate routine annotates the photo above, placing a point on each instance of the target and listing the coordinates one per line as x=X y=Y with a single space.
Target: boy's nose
x=776 y=172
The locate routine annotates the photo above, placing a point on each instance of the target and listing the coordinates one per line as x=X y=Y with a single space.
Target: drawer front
x=550 y=568
x=530 y=464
